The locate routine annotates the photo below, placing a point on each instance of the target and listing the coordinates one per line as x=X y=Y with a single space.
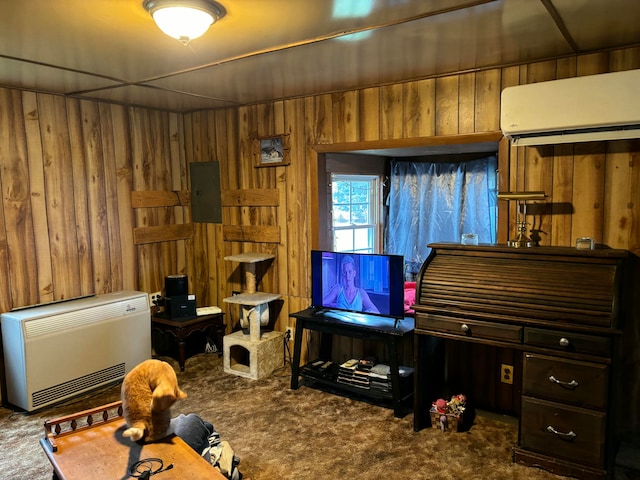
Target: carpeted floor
x=305 y=434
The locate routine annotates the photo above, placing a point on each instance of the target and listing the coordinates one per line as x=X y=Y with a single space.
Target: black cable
x=287 y=351
x=145 y=468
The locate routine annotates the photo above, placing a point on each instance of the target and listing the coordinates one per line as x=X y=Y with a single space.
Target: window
x=355 y=213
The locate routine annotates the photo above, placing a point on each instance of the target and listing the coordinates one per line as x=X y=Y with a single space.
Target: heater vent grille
x=78 y=385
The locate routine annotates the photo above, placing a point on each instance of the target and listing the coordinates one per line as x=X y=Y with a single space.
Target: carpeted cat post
x=252 y=353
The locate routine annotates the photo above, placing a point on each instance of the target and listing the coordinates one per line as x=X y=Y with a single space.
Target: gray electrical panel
x=206 y=201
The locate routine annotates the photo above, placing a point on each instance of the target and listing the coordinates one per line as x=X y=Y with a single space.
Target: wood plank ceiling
x=262 y=50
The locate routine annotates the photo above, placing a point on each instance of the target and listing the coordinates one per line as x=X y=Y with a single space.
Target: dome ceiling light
x=184 y=20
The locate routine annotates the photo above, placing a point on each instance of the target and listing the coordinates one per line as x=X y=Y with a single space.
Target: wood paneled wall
x=592 y=188
x=68 y=167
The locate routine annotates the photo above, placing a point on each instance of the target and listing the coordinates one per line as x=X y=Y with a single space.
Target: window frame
x=375 y=223
x=347 y=163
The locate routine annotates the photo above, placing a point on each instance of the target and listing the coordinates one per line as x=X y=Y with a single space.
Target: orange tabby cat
x=147 y=393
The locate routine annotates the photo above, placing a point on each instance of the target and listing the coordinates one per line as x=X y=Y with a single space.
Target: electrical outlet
x=289 y=333
x=506 y=373
x=154 y=298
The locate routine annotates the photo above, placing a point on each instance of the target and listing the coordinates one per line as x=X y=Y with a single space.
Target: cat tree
x=265 y=350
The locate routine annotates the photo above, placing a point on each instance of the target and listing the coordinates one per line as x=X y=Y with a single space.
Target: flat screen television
x=358 y=282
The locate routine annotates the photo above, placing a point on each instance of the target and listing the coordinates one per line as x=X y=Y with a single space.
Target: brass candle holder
x=521 y=198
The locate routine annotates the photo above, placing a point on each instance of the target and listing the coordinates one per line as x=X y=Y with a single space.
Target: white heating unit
x=580 y=109
x=56 y=351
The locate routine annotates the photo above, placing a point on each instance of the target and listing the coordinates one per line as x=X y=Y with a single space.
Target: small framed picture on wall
x=272 y=151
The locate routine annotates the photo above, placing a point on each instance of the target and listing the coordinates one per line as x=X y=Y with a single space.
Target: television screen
x=358 y=282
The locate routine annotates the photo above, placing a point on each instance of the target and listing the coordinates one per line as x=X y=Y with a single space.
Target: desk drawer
x=469 y=328
x=568 y=341
x=579 y=433
x=569 y=381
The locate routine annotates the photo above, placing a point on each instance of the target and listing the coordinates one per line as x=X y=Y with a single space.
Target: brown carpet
x=305 y=434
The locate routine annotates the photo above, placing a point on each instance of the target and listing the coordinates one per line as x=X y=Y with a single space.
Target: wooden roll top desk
x=564 y=309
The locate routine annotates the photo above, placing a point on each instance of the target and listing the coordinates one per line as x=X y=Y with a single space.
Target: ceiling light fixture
x=184 y=20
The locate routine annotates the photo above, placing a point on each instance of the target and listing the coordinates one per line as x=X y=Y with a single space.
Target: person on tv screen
x=346 y=294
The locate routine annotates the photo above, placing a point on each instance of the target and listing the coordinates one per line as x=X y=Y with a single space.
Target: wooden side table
x=181 y=329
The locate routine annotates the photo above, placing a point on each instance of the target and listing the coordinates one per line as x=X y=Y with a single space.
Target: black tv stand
x=388 y=330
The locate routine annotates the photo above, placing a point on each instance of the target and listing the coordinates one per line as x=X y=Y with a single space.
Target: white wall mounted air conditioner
x=580 y=109
x=56 y=351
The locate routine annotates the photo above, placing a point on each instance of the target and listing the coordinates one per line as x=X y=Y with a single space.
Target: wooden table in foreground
x=97 y=449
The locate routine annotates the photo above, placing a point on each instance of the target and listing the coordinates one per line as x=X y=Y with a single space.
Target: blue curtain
x=437 y=202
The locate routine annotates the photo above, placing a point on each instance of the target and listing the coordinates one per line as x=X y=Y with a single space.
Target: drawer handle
x=465 y=328
x=571 y=384
x=564 y=342
x=569 y=436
